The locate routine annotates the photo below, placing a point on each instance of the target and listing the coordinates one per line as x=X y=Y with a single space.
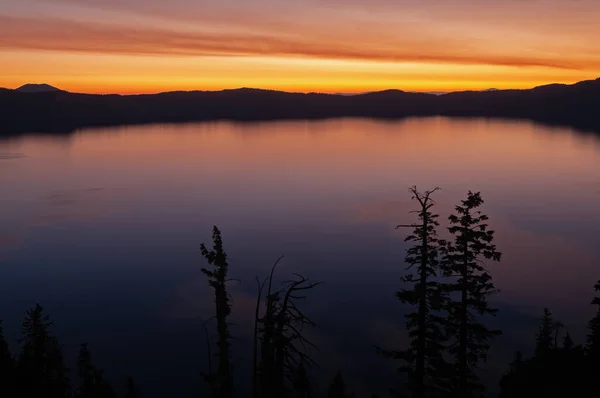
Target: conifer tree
x=7 y=368
x=86 y=372
x=510 y=383
x=463 y=260
x=568 y=343
x=558 y=325
x=558 y=373
x=132 y=391
x=301 y=384
x=544 y=340
x=423 y=358
x=337 y=388
x=592 y=346
x=41 y=369
x=93 y=384
x=221 y=382
x=593 y=337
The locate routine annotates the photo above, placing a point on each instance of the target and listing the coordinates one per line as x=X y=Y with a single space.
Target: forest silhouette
x=446 y=283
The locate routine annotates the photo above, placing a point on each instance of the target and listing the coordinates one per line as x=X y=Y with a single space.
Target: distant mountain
x=348 y=94
x=36 y=88
x=431 y=92
x=60 y=111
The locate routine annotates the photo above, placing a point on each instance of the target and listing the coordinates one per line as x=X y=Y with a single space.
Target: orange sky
x=132 y=46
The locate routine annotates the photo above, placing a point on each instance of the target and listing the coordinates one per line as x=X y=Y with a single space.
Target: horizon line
x=341 y=93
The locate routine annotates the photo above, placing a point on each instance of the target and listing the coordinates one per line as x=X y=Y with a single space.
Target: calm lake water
x=103 y=228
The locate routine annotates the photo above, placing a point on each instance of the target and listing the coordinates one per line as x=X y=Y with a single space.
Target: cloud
x=551 y=18
x=11 y=156
x=67 y=36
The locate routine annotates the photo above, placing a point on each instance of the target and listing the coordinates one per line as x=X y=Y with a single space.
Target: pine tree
x=518 y=361
x=86 y=371
x=7 y=368
x=568 y=343
x=592 y=346
x=423 y=358
x=337 y=388
x=510 y=383
x=301 y=384
x=222 y=382
x=463 y=260
x=132 y=391
x=42 y=373
x=593 y=337
x=558 y=325
x=544 y=340
x=93 y=383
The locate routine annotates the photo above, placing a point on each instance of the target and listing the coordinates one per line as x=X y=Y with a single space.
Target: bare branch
x=406 y=226
x=271 y=275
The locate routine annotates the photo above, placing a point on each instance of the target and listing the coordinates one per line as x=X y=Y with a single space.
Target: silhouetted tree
x=87 y=373
x=517 y=363
x=568 y=343
x=283 y=346
x=301 y=384
x=221 y=382
x=510 y=381
x=423 y=358
x=593 y=337
x=469 y=337
x=7 y=368
x=557 y=326
x=42 y=372
x=556 y=373
x=257 y=330
x=592 y=346
x=337 y=388
x=132 y=391
x=545 y=337
x=93 y=384
x=267 y=367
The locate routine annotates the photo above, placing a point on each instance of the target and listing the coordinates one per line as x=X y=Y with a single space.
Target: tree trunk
x=420 y=366
x=255 y=341
x=223 y=371
x=462 y=355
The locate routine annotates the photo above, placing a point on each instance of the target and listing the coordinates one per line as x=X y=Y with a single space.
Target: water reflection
x=104 y=229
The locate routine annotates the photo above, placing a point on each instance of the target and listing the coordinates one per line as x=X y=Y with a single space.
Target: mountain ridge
x=61 y=111
x=49 y=88
x=37 y=88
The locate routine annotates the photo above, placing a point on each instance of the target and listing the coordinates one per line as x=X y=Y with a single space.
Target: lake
x=103 y=227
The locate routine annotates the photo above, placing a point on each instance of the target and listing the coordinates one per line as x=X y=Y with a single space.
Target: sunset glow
x=143 y=46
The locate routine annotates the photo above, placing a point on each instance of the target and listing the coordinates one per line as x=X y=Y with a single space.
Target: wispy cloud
x=326 y=45
x=69 y=36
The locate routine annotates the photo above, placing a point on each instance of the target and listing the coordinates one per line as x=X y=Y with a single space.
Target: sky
x=145 y=46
